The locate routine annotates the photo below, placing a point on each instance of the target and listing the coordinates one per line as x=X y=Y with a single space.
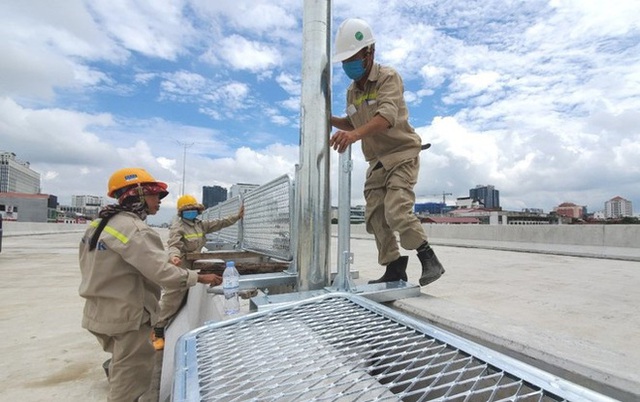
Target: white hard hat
x=353 y=35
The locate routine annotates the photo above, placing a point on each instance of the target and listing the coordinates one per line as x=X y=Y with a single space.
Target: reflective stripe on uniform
x=365 y=97
x=193 y=235
x=124 y=239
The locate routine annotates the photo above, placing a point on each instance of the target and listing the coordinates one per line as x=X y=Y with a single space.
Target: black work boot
x=396 y=270
x=432 y=269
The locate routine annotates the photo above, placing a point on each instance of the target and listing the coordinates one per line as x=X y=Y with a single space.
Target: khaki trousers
x=389 y=208
x=171 y=302
x=132 y=361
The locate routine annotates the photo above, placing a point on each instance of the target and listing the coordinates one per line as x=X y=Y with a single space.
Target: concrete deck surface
x=571 y=315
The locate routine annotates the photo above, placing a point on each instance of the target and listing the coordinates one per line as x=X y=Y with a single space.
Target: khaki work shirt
x=123 y=275
x=187 y=236
x=383 y=94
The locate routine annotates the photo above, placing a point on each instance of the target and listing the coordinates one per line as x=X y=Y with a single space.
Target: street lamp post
x=184 y=161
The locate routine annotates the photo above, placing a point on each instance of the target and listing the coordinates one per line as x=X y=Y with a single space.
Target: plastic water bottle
x=230 y=286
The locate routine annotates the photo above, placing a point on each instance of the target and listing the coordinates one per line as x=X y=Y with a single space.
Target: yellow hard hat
x=353 y=35
x=128 y=177
x=189 y=202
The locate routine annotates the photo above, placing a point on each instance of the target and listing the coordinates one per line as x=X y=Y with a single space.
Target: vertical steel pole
x=313 y=204
x=343 y=281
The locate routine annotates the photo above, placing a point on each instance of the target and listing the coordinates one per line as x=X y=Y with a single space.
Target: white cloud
x=52 y=135
x=289 y=83
x=182 y=85
x=292 y=104
x=45 y=47
x=539 y=98
x=258 y=17
x=243 y=54
x=155 y=29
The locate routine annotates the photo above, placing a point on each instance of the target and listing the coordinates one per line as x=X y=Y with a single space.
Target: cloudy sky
x=539 y=98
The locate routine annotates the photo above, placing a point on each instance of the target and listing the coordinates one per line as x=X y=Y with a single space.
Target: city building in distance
x=213 y=195
x=241 y=188
x=618 y=207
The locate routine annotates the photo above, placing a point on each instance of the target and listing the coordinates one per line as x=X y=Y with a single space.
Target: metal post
x=184 y=161
x=343 y=280
x=313 y=203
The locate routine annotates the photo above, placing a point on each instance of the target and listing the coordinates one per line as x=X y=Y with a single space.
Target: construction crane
x=444 y=196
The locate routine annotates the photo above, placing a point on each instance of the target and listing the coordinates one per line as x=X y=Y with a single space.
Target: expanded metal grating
x=342 y=347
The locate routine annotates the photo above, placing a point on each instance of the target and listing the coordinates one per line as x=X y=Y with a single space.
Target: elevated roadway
x=570 y=315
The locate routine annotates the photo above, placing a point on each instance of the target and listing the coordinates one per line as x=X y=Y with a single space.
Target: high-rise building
x=16 y=176
x=213 y=195
x=86 y=201
x=87 y=205
x=487 y=195
x=617 y=207
x=241 y=188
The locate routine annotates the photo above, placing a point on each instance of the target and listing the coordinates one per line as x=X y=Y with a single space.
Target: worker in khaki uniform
x=377 y=115
x=186 y=235
x=123 y=265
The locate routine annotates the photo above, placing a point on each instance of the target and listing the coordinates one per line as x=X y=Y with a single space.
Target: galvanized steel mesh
x=346 y=348
x=266 y=227
x=231 y=234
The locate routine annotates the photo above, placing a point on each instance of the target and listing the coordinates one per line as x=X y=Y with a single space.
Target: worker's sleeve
x=390 y=94
x=146 y=253
x=176 y=240
x=217 y=224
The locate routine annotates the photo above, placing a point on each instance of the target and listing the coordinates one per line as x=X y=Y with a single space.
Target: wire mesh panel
x=266 y=227
x=231 y=234
x=209 y=214
x=342 y=347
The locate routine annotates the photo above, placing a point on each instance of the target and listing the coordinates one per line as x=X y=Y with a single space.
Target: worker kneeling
x=124 y=265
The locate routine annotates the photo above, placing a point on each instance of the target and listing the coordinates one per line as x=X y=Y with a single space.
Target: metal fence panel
x=267 y=228
x=230 y=234
x=342 y=347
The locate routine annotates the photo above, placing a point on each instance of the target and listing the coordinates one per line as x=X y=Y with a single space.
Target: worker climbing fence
x=266 y=226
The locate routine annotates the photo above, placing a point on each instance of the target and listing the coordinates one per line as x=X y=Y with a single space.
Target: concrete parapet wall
x=11 y=228
x=580 y=235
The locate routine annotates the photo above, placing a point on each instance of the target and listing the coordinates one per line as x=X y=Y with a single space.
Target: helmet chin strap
x=142 y=199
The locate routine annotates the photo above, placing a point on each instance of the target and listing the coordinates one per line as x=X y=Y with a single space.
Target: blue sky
x=539 y=98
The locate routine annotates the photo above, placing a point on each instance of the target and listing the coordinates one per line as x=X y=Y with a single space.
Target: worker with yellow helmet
x=123 y=267
x=186 y=235
x=378 y=117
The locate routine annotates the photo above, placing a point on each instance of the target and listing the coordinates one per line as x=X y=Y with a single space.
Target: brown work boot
x=157 y=338
x=432 y=269
x=395 y=271
x=158 y=343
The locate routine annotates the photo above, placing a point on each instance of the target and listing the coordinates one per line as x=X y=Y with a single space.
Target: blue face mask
x=354 y=69
x=190 y=215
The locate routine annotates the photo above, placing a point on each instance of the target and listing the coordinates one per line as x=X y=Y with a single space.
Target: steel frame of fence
x=267 y=224
x=343 y=347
